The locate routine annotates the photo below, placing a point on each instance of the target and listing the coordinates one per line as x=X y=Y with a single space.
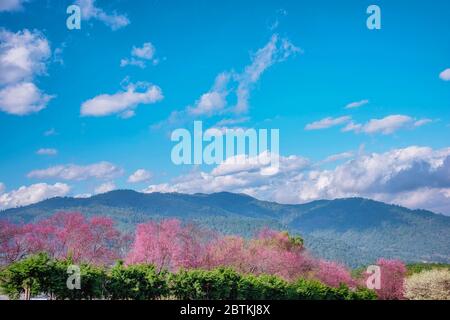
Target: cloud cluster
x=105 y=187
x=230 y=92
x=416 y=177
x=23 y=56
x=100 y=170
x=386 y=125
x=90 y=11
x=140 y=56
x=123 y=101
x=140 y=175
x=26 y=195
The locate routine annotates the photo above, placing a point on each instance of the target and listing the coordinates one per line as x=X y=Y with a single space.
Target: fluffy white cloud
x=356 y=104
x=90 y=11
x=47 y=152
x=122 y=101
x=327 y=123
x=416 y=177
x=231 y=90
x=23 y=56
x=140 y=175
x=239 y=174
x=22 y=98
x=26 y=195
x=11 y=5
x=214 y=100
x=100 y=170
x=387 y=125
x=105 y=187
x=445 y=75
x=140 y=56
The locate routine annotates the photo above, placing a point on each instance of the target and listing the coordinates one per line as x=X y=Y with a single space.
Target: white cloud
x=416 y=177
x=100 y=170
x=23 y=56
x=338 y=157
x=422 y=122
x=122 y=101
x=276 y=50
x=140 y=175
x=327 y=123
x=356 y=104
x=231 y=90
x=140 y=56
x=22 y=99
x=226 y=122
x=26 y=195
x=105 y=187
x=11 y=5
x=83 y=196
x=90 y=11
x=386 y=125
x=47 y=152
x=445 y=75
x=214 y=100
x=2 y=188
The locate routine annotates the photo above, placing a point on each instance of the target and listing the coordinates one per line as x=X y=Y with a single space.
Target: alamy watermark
x=227 y=146
x=74 y=280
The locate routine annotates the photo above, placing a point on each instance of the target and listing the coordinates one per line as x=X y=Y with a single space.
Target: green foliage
x=93 y=279
x=136 y=282
x=314 y=290
x=29 y=276
x=39 y=274
x=263 y=287
x=217 y=284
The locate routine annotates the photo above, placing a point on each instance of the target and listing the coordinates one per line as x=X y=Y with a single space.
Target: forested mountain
x=355 y=230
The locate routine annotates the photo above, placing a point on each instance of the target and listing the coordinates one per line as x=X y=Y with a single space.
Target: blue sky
x=303 y=64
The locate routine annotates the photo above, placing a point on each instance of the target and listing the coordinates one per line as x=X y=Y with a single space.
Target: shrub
x=305 y=289
x=137 y=282
x=262 y=287
x=195 y=284
x=428 y=285
x=30 y=276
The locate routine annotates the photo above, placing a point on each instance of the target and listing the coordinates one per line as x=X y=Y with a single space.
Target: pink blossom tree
x=63 y=235
x=13 y=245
x=168 y=245
x=333 y=274
x=393 y=274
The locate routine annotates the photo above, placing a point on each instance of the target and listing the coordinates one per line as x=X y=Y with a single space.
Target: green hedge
x=40 y=274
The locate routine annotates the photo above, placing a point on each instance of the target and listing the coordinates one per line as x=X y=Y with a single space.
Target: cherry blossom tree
x=393 y=274
x=168 y=245
x=63 y=235
x=333 y=274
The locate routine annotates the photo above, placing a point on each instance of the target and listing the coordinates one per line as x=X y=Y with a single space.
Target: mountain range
x=354 y=231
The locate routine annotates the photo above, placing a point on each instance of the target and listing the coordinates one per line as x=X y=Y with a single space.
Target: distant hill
x=355 y=231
